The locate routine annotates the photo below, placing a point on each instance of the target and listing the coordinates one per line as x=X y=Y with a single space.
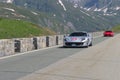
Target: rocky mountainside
x=66 y=15
x=97 y=5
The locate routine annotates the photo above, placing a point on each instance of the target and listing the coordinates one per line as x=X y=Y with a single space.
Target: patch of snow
x=99 y=9
x=18 y=15
x=88 y=9
x=76 y=5
x=85 y=13
x=61 y=3
x=105 y=10
x=10 y=9
x=85 y=8
x=9 y=1
x=113 y=14
x=34 y=13
x=96 y=9
x=54 y=15
x=117 y=8
x=81 y=7
x=22 y=16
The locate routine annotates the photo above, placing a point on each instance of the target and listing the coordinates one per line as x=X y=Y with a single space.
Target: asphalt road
x=14 y=68
x=99 y=62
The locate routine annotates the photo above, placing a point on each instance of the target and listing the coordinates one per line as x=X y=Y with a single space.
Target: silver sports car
x=78 y=39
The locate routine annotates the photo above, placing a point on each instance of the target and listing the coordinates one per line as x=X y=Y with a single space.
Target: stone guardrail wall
x=20 y=45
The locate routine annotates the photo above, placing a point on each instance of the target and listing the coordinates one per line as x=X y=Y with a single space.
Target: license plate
x=73 y=44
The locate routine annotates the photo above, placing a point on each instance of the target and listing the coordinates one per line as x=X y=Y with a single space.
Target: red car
x=108 y=33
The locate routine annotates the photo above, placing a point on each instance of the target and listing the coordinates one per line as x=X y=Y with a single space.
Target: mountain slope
x=71 y=17
x=107 y=9
x=62 y=15
x=40 y=18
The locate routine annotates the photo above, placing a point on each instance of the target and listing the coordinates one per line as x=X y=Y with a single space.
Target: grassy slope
x=16 y=29
x=116 y=28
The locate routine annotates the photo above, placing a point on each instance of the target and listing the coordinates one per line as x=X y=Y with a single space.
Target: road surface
x=99 y=62
x=14 y=68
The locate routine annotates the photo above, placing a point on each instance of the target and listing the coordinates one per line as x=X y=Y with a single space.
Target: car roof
x=80 y=32
x=109 y=31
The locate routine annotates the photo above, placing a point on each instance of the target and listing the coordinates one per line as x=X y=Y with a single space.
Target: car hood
x=75 y=38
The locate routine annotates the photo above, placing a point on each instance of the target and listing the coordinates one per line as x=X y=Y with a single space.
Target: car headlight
x=66 y=39
x=84 y=39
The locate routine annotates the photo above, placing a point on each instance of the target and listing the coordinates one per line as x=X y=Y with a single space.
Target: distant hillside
x=10 y=28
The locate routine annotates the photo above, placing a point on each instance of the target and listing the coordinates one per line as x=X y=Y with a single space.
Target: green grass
x=10 y=28
x=116 y=28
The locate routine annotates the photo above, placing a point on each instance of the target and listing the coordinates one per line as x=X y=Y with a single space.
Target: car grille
x=77 y=44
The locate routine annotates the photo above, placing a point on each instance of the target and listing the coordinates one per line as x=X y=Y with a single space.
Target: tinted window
x=78 y=34
x=108 y=31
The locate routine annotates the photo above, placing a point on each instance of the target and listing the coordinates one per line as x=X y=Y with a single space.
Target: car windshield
x=108 y=31
x=78 y=34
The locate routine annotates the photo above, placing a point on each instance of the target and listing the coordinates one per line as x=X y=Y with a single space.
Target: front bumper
x=75 y=44
x=108 y=35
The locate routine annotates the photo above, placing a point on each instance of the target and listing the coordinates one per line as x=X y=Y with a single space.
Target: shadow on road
x=70 y=47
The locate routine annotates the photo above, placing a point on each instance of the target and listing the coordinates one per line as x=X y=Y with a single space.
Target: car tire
x=86 y=46
x=65 y=46
x=90 y=44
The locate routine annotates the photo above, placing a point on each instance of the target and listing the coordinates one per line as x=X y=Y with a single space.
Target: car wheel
x=64 y=46
x=90 y=44
x=86 y=46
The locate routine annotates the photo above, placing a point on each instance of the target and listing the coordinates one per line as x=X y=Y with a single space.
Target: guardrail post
x=47 y=41
x=35 y=43
x=17 y=45
x=56 y=40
